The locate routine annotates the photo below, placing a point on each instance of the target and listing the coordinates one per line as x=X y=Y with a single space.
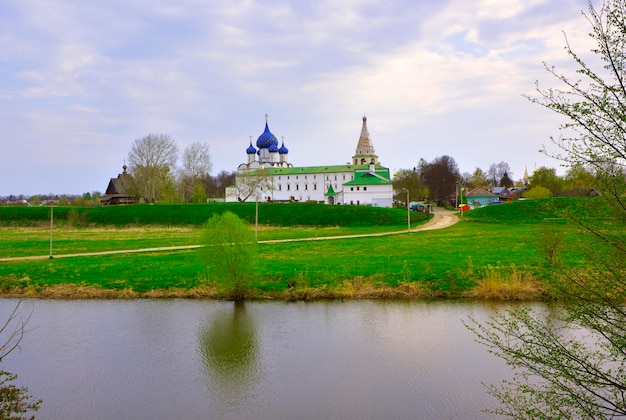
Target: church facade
x=269 y=176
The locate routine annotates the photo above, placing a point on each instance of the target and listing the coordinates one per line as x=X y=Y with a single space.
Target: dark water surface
x=197 y=359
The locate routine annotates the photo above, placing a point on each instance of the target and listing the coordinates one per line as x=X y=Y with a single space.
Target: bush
x=229 y=253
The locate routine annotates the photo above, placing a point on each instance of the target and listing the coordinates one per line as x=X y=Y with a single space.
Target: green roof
x=367 y=178
x=310 y=170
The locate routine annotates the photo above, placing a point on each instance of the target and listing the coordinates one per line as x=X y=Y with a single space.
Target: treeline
x=211 y=186
x=274 y=214
x=441 y=180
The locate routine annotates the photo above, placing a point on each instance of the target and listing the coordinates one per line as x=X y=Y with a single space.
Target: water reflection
x=230 y=354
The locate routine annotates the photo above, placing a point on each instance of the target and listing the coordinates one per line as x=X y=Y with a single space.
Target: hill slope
x=537 y=211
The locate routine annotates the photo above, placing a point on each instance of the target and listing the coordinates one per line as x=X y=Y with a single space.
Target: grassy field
x=492 y=252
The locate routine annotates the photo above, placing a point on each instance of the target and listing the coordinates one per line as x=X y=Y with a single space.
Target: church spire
x=364 y=149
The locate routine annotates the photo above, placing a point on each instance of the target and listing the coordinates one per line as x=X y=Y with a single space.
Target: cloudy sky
x=81 y=80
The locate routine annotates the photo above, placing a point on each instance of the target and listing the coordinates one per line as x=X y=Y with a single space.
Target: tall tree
x=441 y=176
x=196 y=162
x=215 y=185
x=152 y=160
x=411 y=180
x=496 y=172
x=478 y=179
x=506 y=181
x=570 y=361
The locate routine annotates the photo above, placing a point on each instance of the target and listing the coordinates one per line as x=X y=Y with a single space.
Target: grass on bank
x=478 y=257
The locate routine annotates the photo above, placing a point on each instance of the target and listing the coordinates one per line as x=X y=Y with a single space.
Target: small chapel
x=267 y=175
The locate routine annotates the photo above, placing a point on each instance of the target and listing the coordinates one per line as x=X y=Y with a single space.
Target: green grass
x=447 y=262
x=540 y=211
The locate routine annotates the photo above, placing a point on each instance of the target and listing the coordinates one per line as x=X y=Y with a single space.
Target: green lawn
x=447 y=262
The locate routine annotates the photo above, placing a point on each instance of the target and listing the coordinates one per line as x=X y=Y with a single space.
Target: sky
x=80 y=81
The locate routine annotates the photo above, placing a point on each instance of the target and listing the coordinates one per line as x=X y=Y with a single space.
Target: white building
x=268 y=176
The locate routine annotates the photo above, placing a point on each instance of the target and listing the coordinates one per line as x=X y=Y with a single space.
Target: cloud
x=434 y=77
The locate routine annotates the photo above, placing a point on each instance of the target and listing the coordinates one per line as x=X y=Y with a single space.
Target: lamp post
x=51 y=226
x=408 y=210
x=256 y=219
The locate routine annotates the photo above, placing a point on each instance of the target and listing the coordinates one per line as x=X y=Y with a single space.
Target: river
x=206 y=359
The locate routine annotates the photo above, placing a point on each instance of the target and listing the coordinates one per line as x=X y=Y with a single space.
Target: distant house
x=479 y=197
x=118 y=190
x=503 y=193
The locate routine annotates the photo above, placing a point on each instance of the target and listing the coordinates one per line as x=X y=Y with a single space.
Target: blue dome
x=273 y=148
x=283 y=150
x=251 y=150
x=266 y=139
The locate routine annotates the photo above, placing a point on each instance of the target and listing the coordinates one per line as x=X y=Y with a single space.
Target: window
x=358 y=188
x=364 y=188
x=306 y=186
x=315 y=187
x=351 y=188
x=280 y=187
x=297 y=187
x=288 y=187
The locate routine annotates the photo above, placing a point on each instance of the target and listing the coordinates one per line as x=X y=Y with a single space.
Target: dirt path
x=441 y=219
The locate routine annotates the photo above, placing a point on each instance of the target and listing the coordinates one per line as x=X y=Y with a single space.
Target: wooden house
x=480 y=197
x=118 y=191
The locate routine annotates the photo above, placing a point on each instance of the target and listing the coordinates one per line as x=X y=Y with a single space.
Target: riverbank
x=495 y=258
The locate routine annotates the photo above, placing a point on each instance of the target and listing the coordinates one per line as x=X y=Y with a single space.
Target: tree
x=215 y=186
x=256 y=185
x=196 y=163
x=14 y=401
x=410 y=180
x=547 y=178
x=152 y=160
x=229 y=253
x=496 y=172
x=478 y=179
x=571 y=360
x=505 y=181
x=579 y=181
x=441 y=176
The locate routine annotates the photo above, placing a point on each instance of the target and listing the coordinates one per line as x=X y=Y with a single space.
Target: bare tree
x=14 y=401
x=196 y=163
x=254 y=185
x=496 y=172
x=215 y=186
x=151 y=162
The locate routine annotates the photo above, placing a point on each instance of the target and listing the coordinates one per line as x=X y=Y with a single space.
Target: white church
x=268 y=176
